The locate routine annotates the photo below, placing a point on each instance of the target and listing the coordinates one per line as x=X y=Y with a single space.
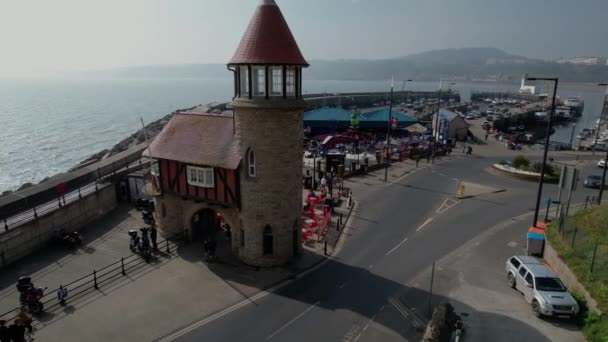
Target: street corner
x=470 y=190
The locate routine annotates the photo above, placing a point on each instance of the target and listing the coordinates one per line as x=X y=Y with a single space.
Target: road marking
x=447 y=204
x=425 y=223
x=416 y=322
x=370 y=266
x=394 y=248
x=356 y=338
x=291 y=322
x=342 y=285
x=455 y=180
x=441 y=174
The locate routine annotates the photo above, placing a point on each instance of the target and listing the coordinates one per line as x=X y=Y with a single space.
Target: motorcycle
x=30 y=296
x=140 y=244
x=134 y=241
x=71 y=240
x=144 y=204
x=148 y=217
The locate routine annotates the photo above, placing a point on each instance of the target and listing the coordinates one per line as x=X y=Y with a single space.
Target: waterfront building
x=245 y=168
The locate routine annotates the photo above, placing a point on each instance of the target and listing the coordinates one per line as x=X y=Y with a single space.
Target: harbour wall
x=38 y=233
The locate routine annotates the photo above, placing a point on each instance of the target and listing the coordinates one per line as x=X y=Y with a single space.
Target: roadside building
x=452 y=126
x=241 y=170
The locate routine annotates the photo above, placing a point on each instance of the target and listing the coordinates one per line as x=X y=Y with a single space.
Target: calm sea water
x=49 y=126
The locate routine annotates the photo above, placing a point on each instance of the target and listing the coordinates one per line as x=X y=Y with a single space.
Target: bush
x=503 y=162
x=594 y=326
x=521 y=162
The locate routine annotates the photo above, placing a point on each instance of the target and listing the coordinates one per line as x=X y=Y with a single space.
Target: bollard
x=325 y=248
x=168 y=249
x=5 y=225
x=338 y=225
x=35 y=214
x=95 y=279
x=122 y=263
x=96 y=188
x=79 y=194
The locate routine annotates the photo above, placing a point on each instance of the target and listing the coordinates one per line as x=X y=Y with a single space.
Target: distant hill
x=462 y=64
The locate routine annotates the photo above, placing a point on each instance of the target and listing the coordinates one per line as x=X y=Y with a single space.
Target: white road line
x=370 y=266
x=425 y=223
x=455 y=180
x=441 y=174
x=291 y=322
x=356 y=338
x=394 y=248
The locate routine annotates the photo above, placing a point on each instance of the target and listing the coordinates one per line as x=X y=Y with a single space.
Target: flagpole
x=388 y=132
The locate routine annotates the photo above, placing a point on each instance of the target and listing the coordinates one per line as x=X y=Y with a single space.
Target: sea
x=49 y=126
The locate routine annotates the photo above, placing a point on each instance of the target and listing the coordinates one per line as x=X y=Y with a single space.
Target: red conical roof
x=268 y=39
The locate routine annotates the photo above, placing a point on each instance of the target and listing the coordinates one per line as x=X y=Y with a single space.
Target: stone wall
x=273 y=130
x=174 y=217
x=23 y=240
x=566 y=275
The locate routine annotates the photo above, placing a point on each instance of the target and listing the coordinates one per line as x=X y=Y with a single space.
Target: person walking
x=4 y=332
x=153 y=236
x=323 y=183
x=16 y=331
x=62 y=295
x=25 y=319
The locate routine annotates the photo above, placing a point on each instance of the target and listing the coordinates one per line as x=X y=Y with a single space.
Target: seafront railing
x=34 y=212
x=98 y=278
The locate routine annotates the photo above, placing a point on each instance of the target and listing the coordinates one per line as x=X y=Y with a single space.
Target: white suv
x=541 y=287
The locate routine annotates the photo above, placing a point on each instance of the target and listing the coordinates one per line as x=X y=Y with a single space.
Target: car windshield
x=594 y=177
x=550 y=284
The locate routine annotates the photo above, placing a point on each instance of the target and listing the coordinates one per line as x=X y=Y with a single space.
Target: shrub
x=521 y=162
x=503 y=162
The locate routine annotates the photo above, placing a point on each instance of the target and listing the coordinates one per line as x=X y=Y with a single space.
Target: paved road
x=396 y=234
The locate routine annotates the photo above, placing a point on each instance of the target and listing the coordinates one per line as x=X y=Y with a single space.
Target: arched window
x=268 y=240
x=251 y=163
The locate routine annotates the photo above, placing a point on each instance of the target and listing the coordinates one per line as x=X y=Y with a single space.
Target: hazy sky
x=38 y=35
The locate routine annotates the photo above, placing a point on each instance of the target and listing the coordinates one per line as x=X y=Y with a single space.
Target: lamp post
x=599 y=197
x=388 y=133
x=548 y=135
x=572 y=135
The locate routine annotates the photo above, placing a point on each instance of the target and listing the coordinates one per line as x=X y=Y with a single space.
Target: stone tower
x=268 y=116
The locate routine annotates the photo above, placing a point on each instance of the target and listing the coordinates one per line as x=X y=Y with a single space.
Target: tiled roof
x=268 y=39
x=197 y=138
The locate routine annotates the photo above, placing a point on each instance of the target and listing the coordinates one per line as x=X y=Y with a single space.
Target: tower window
x=259 y=81
x=277 y=81
x=251 y=163
x=268 y=240
x=244 y=81
x=291 y=81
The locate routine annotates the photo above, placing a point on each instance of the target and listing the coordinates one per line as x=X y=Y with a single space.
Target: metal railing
x=98 y=277
x=31 y=214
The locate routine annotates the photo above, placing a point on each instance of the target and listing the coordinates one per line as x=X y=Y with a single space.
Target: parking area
x=473 y=279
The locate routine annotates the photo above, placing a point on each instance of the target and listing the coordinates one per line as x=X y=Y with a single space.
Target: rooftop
x=197 y=138
x=268 y=39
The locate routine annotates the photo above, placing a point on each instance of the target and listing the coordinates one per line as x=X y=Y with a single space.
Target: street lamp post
x=599 y=197
x=572 y=135
x=548 y=135
x=388 y=133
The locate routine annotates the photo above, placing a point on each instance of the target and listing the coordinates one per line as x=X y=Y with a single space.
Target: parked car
x=469 y=117
x=601 y=163
x=593 y=181
x=540 y=286
x=490 y=118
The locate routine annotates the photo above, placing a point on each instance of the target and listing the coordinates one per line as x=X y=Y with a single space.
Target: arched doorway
x=204 y=225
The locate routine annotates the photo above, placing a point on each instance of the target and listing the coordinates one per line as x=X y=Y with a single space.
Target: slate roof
x=198 y=138
x=268 y=39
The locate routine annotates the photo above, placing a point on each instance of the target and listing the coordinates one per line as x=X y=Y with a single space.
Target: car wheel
x=536 y=308
x=511 y=280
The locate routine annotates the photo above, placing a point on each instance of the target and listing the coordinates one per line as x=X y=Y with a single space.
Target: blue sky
x=90 y=34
